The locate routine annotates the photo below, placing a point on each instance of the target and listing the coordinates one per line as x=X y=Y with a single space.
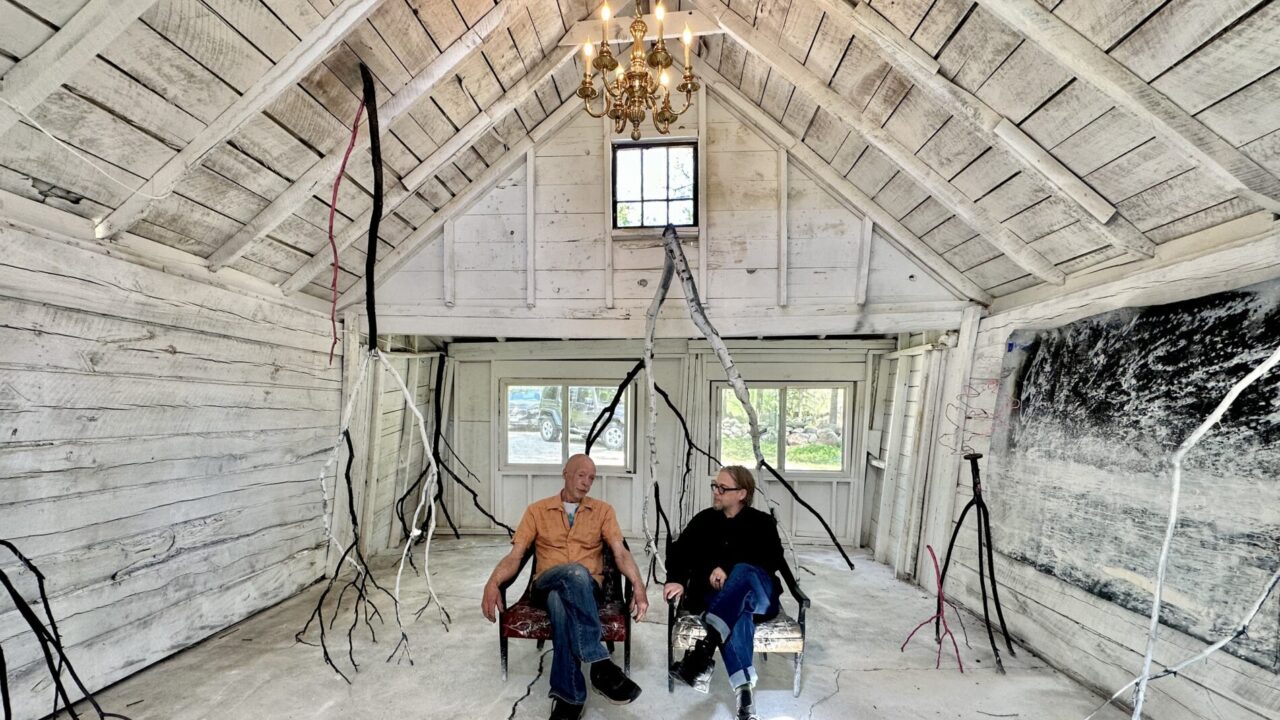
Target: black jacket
x=711 y=540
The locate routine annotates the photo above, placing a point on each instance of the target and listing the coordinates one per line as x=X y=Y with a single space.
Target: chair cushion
x=524 y=620
x=781 y=634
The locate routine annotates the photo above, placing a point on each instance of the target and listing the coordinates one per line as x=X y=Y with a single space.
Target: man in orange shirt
x=568 y=532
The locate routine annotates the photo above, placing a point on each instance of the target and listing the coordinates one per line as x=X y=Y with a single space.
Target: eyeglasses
x=719 y=489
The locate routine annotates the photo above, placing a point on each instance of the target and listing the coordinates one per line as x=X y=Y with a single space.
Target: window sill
x=684 y=233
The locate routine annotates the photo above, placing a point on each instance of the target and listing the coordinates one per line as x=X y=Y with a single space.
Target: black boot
x=746 y=704
x=561 y=710
x=695 y=668
x=609 y=680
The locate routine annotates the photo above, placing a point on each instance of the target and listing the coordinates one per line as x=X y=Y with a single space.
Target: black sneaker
x=609 y=680
x=746 y=704
x=561 y=710
x=695 y=668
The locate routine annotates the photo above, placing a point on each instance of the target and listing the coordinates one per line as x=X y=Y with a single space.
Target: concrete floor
x=853 y=668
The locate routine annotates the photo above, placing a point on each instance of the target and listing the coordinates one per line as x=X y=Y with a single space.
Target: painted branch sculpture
x=938 y=617
x=50 y=641
x=986 y=566
x=677 y=260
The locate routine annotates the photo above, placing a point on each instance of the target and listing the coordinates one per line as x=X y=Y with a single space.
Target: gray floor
x=853 y=668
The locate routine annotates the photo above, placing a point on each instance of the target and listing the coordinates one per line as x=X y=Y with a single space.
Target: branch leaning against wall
x=1214 y=417
x=676 y=258
x=50 y=641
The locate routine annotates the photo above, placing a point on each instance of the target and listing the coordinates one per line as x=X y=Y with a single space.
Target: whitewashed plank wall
x=577 y=270
x=1096 y=641
x=160 y=441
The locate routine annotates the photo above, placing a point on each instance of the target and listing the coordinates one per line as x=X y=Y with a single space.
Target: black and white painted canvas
x=1079 y=478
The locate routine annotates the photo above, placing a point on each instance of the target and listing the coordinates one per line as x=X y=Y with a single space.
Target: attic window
x=655 y=184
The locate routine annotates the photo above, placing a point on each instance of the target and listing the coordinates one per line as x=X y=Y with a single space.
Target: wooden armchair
x=525 y=620
x=783 y=634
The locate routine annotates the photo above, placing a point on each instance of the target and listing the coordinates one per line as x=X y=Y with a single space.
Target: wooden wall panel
x=161 y=446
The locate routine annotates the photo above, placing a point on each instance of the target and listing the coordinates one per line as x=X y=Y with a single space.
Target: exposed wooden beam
x=783 y=238
x=791 y=70
x=310 y=50
x=996 y=130
x=620 y=34
x=629 y=322
x=440 y=68
x=1170 y=122
x=530 y=228
x=414 y=179
x=842 y=188
x=86 y=34
x=865 y=235
x=427 y=232
x=484 y=121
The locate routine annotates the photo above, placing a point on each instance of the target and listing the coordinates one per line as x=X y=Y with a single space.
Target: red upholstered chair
x=524 y=620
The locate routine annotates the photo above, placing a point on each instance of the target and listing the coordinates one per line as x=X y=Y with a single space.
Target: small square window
x=654 y=185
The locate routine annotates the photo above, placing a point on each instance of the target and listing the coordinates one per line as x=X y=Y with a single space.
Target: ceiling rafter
x=86 y=34
x=486 y=120
x=421 y=85
x=841 y=187
x=311 y=49
x=1094 y=211
x=501 y=168
x=1166 y=118
x=781 y=62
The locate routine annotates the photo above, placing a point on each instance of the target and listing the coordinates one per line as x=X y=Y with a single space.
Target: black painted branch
x=49 y=639
x=605 y=416
x=370 y=97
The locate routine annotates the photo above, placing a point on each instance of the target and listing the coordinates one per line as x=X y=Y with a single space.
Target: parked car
x=523 y=406
x=585 y=404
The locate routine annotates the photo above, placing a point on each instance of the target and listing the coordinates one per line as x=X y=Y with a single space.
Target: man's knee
x=745 y=569
x=577 y=573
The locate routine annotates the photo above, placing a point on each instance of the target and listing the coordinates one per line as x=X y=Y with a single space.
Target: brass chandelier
x=643 y=86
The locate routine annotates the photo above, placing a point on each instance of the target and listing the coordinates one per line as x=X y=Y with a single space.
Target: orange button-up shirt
x=545 y=526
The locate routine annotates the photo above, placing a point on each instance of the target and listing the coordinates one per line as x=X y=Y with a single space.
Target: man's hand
x=490 y=602
x=672 y=591
x=717 y=578
x=639 y=603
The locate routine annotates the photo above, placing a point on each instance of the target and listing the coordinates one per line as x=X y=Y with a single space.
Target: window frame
x=503 y=426
x=846 y=431
x=613 y=181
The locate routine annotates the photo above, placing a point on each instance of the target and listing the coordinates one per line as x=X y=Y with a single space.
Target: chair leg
x=609 y=644
x=795 y=683
x=502 y=650
x=764 y=656
x=541 y=644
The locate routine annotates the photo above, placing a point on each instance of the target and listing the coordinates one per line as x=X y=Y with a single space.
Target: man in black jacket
x=727 y=559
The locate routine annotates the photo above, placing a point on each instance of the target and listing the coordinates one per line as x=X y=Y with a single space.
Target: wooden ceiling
x=1111 y=127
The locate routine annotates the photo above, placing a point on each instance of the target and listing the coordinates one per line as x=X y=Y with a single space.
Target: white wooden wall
x=160 y=442
x=685 y=369
x=1098 y=642
x=591 y=281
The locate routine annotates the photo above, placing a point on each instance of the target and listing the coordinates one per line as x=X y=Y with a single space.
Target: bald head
x=579 y=474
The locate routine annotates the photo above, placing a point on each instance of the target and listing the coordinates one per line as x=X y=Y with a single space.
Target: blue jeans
x=569 y=595
x=747 y=592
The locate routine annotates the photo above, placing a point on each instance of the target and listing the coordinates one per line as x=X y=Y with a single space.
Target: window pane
x=681 y=172
x=655 y=213
x=655 y=173
x=815 y=428
x=533 y=425
x=735 y=431
x=627 y=172
x=681 y=212
x=629 y=214
x=585 y=404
